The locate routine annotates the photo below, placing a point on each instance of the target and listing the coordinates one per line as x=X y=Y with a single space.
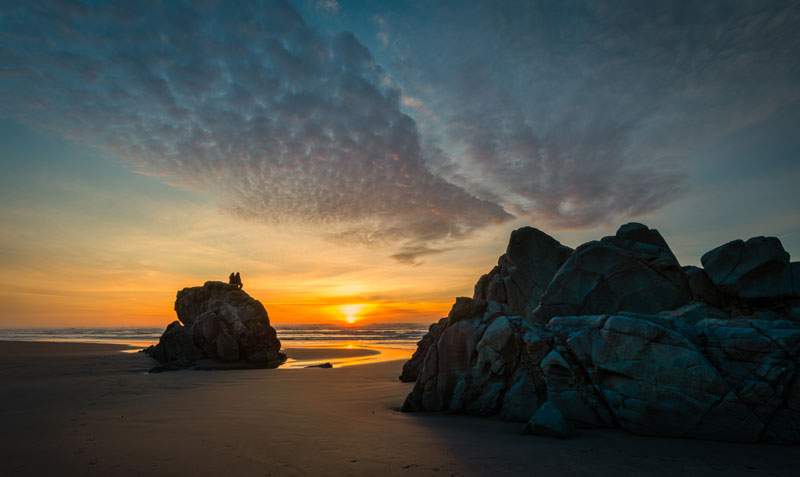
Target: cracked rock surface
x=623 y=336
x=220 y=323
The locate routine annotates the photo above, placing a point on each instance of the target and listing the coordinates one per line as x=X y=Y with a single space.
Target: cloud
x=411 y=254
x=570 y=114
x=383 y=29
x=279 y=122
x=578 y=114
x=331 y=6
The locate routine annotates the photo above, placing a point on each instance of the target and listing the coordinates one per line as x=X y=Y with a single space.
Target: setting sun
x=351 y=312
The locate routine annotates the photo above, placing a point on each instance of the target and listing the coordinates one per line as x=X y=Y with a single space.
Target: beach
x=92 y=409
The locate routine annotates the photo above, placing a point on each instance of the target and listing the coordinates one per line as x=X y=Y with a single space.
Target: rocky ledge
x=219 y=327
x=617 y=334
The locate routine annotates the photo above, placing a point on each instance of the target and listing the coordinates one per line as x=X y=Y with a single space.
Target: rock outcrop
x=218 y=322
x=635 y=270
x=412 y=366
x=623 y=336
x=523 y=273
x=756 y=269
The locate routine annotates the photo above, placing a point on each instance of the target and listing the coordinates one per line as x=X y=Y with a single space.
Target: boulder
x=619 y=273
x=220 y=322
x=524 y=271
x=465 y=308
x=532 y=258
x=176 y=343
x=548 y=421
x=757 y=269
x=521 y=398
x=412 y=366
x=709 y=378
x=640 y=233
x=624 y=337
x=703 y=288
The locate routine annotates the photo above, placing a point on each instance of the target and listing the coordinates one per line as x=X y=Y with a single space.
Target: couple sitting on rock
x=235 y=279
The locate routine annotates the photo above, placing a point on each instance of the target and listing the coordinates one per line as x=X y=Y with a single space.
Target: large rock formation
x=412 y=366
x=634 y=270
x=218 y=322
x=523 y=273
x=624 y=337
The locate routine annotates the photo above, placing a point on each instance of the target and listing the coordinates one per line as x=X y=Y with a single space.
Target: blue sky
x=400 y=134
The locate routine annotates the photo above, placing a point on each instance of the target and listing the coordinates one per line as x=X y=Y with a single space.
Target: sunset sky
x=371 y=158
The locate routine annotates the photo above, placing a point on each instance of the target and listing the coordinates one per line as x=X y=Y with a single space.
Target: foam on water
x=390 y=335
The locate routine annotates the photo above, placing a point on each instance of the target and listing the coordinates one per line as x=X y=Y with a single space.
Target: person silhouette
x=238 y=280
x=232 y=279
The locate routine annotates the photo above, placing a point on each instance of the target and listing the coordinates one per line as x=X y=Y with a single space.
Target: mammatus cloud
x=281 y=123
x=576 y=114
x=570 y=114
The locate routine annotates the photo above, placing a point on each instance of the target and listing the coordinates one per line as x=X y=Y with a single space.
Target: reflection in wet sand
x=341 y=355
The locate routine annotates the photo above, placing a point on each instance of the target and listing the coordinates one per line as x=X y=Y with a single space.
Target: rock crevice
x=623 y=336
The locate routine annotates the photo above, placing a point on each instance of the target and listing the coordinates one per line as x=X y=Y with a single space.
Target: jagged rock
x=412 y=366
x=756 y=269
x=618 y=342
x=709 y=378
x=703 y=288
x=532 y=257
x=640 y=233
x=176 y=343
x=548 y=421
x=639 y=368
x=218 y=321
x=617 y=274
x=227 y=348
x=524 y=271
x=465 y=308
x=521 y=399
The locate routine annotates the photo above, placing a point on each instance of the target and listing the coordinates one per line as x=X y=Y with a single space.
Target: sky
x=371 y=158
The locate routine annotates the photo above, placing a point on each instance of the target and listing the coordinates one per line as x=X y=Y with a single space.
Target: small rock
x=548 y=421
x=323 y=365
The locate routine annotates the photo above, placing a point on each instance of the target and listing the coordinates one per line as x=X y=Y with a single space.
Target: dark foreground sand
x=82 y=409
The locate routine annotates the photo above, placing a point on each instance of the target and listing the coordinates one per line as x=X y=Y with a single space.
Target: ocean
x=388 y=335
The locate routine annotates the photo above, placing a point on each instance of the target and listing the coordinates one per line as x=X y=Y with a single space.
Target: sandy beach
x=91 y=409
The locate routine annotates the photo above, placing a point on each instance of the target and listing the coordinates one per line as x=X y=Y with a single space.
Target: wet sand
x=89 y=409
x=339 y=357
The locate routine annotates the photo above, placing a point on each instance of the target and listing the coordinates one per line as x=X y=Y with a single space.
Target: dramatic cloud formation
x=577 y=113
x=567 y=114
x=283 y=124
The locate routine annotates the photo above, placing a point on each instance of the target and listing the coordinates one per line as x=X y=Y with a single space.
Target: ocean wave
x=403 y=335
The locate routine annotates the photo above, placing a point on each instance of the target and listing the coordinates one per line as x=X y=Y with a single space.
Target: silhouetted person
x=232 y=279
x=238 y=280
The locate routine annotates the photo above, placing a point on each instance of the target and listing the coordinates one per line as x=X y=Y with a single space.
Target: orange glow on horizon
x=351 y=312
x=113 y=281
